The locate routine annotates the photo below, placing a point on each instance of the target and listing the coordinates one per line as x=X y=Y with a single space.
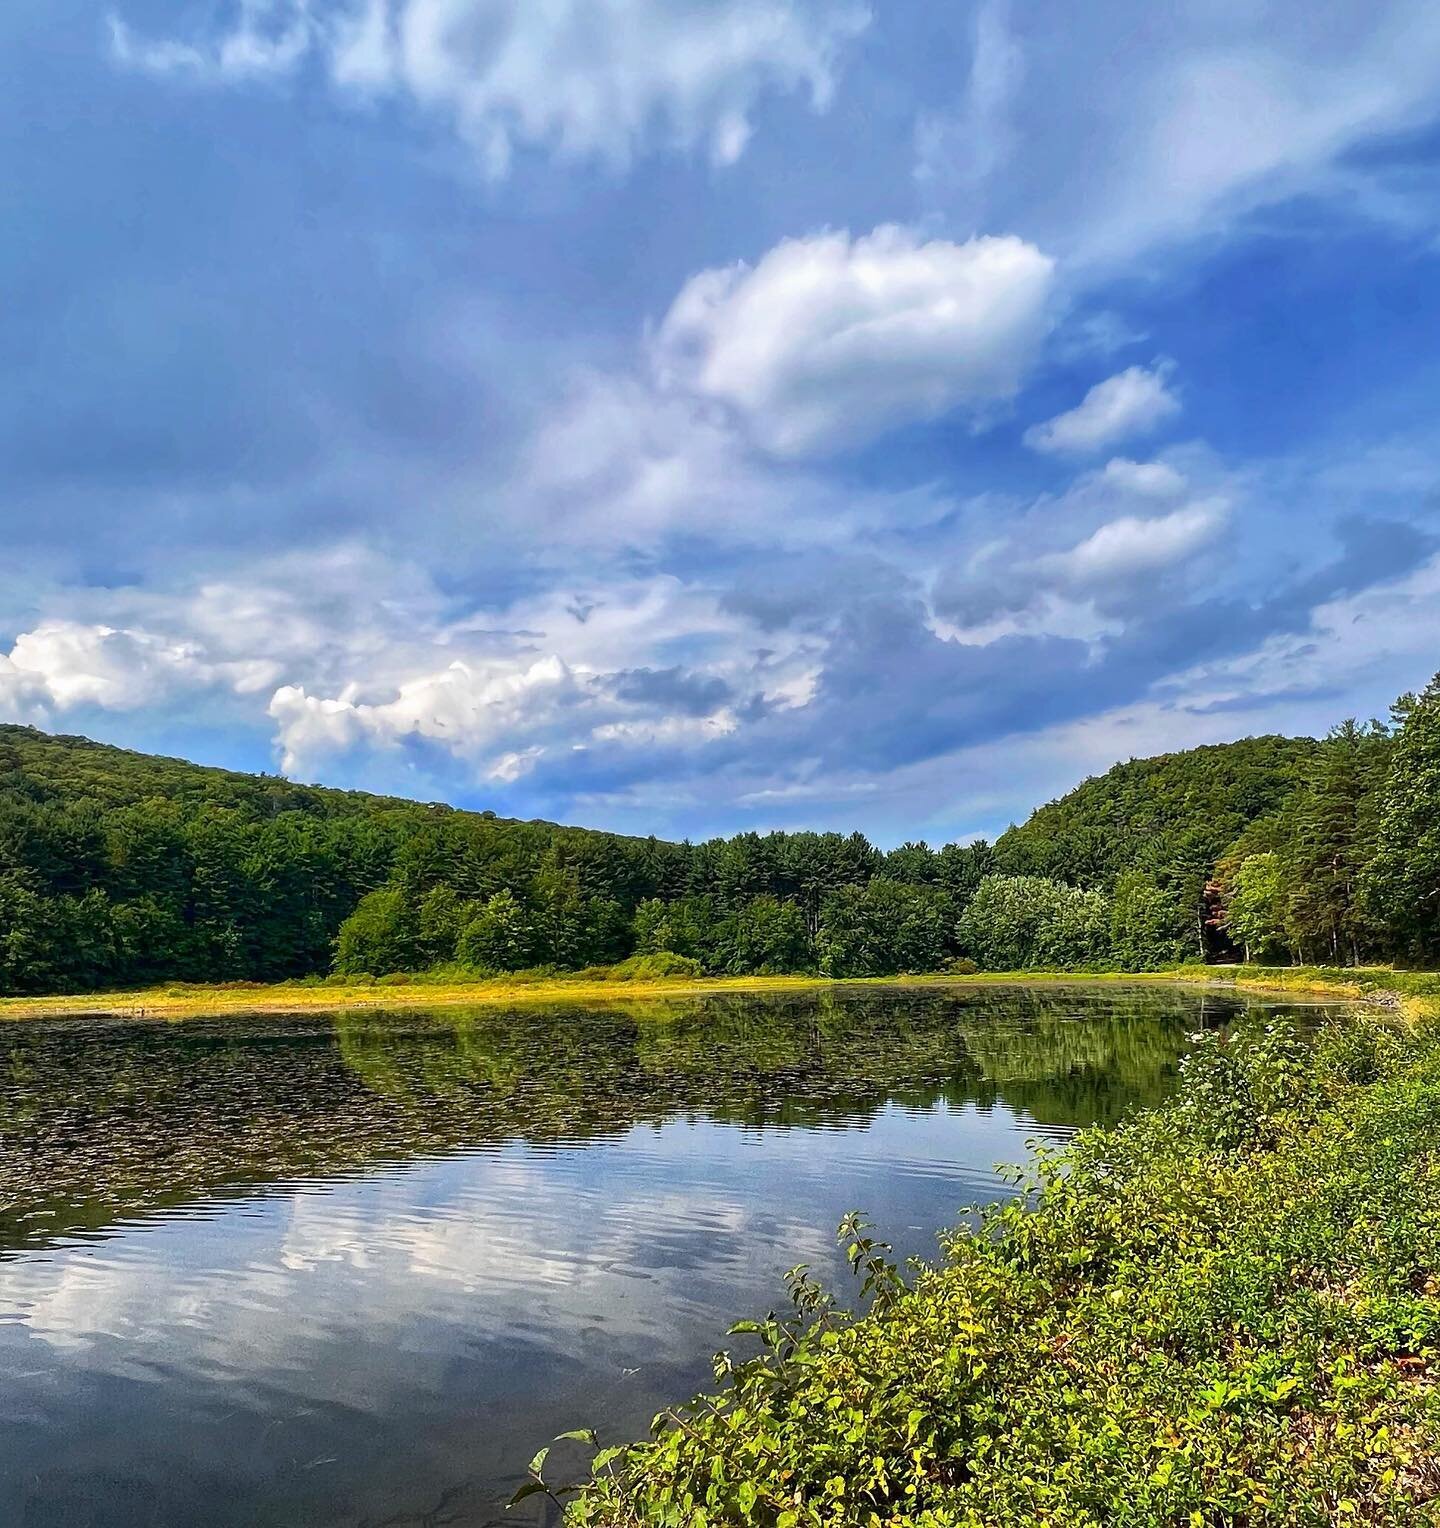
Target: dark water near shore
x=352 y=1269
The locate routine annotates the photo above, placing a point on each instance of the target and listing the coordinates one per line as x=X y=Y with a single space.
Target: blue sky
x=688 y=415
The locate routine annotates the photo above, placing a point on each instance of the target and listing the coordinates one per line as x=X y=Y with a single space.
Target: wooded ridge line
x=121 y=870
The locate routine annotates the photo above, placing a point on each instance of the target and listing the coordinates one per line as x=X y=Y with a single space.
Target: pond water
x=284 y=1272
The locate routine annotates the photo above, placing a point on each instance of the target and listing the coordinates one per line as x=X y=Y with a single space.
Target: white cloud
x=1147 y=522
x=1135 y=401
x=584 y=79
x=828 y=340
x=1357 y=652
x=626 y=464
x=24 y=696
x=465 y=707
x=500 y=714
x=1129 y=136
x=268 y=39
x=1146 y=480
x=974 y=142
x=1131 y=547
x=346 y=651
x=63 y=664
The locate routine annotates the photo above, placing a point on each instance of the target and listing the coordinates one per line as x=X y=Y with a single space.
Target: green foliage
x=1224 y=1311
x=1333 y=824
x=768 y=936
x=1256 y=915
x=1172 y=817
x=1026 y=922
x=498 y=936
x=1402 y=883
x=119 y=869
x=1145 y=933
x=660 y=965
x=382 y=934
x=1142 y=814
x=687 y=925
x=881 y=928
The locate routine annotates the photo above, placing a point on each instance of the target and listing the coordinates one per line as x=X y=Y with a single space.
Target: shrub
x=662 y=965
x=1019 y=922
x=382 y=934
x=1224 y=1311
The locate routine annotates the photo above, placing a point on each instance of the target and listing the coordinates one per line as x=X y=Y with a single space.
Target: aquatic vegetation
x=107 y=1118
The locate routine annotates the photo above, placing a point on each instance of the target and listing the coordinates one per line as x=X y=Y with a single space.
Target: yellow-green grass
x=1413 y=992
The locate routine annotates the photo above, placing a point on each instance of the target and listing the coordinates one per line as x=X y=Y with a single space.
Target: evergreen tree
x=498 y=936
x=1335 y=822
x=1401 y=885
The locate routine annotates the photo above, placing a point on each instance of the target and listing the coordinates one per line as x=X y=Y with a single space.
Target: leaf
x=578 y=1435
x=530 y=1488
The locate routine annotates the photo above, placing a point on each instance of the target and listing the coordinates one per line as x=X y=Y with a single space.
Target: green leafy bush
x=662 y=965
x=1025 y=922
x=1223 y=1312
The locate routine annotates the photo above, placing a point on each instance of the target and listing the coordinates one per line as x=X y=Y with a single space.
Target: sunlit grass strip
x=1222 y=1313
x=1416 y=991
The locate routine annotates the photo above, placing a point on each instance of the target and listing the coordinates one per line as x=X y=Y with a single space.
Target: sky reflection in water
x=352 y=1269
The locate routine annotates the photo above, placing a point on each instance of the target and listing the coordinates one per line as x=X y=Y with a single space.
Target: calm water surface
x=353 y=1268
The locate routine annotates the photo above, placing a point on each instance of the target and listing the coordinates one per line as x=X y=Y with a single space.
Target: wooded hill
x=119 y=868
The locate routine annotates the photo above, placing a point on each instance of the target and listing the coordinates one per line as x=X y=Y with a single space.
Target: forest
x=122 y=869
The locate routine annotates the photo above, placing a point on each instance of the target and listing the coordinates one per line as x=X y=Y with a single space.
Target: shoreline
x=1221 y=1309
x=1412 y=993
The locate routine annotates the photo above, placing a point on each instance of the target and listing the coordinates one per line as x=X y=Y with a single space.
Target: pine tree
x=1334 y=839
x=1402 y=884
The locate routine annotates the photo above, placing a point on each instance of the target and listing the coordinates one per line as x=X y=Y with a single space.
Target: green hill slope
x=123 y=869
x=1178 y=809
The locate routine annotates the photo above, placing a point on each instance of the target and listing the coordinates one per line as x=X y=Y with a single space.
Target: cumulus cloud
x=24 y=696
x=1130 y=546
x=1145 y=480
x=1135 y=401
x=828 y=340
x=373 y=662
x=467 y=708
x=653 y=702
x=580 y=79
x=581 y=680
x=626 y=464
x=505 y=691
x=62 y=664
x=1146 y=522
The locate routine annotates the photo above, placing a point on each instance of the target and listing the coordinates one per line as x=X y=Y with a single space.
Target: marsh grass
x=1416 y=992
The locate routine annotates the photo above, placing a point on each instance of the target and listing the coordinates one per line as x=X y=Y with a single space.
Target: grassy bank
x=1416 y=992
x=1225 y=1312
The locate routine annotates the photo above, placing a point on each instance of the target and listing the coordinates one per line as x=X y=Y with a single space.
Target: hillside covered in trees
x=119 y=869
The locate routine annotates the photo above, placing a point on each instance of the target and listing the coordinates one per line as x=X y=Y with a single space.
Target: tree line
x=120 y=869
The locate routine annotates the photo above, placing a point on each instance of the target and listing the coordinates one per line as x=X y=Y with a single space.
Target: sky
x=686 y=416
